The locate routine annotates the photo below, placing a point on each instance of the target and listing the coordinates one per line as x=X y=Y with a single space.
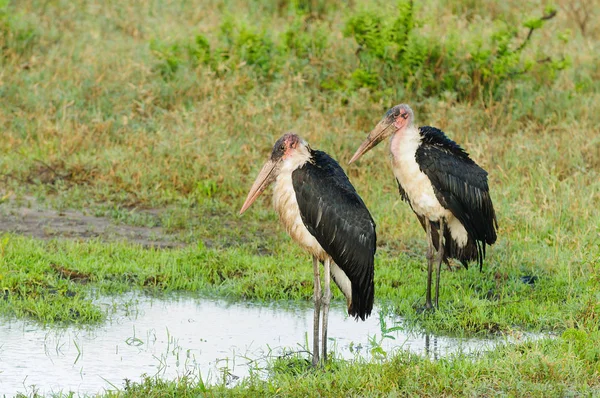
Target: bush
x=392 y=52
x=304 y=40
x=394 y=55
x=241 y=46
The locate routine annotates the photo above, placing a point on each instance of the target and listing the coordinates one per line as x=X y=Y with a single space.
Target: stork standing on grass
x=446 y=190
x=322 y=212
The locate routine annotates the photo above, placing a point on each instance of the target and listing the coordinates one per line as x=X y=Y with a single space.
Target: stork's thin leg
x=326 y=299
x=317 y=299
x=430 y=249
x=440 y=258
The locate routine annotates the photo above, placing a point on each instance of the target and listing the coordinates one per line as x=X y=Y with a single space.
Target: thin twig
x=543 y=18
x=52 y=169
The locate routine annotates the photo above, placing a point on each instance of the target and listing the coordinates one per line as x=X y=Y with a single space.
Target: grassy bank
x=567 y=366
x=56 y=281
x=160 y=114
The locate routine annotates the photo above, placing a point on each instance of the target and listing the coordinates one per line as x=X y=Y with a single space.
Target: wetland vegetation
x=144 y=124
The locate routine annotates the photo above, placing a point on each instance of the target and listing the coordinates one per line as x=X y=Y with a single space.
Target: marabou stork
x=446 y=190
x=322 y=212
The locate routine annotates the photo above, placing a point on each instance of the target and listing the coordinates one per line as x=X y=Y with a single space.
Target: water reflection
x=189 y=336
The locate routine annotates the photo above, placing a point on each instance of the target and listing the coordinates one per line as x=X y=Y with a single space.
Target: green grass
x=567 y=366
x=56 y=281
x=161 y=113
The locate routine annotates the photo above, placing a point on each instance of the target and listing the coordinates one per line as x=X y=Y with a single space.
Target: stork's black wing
x=336 y=216
x=464 y=254
x=460 y=185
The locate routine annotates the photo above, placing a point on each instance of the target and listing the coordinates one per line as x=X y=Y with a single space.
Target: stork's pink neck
x=405 y=141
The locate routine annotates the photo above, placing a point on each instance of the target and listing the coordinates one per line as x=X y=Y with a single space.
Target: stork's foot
x=292 y=364
x=427 y=308
x=316 y=361
x=320 y=363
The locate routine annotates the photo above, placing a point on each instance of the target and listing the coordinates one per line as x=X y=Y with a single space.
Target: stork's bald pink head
x=285 y=145
x=396 y=119
x=284 y=148
x=400 y=116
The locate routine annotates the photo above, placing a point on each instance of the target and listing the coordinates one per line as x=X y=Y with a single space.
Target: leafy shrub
x=304 y=40
x=241 y=46
x=256 y=49
x=170 y=57
x=393 y=53
x=174 y=55
x=199 y=51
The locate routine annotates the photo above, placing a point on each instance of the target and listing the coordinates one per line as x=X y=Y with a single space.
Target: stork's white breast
x=286 y=205
x=416 y=184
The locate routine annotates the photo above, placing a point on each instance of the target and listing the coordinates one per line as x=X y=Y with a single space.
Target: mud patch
x=48 y=224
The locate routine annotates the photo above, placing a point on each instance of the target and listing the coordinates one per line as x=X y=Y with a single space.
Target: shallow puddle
x=190 y=336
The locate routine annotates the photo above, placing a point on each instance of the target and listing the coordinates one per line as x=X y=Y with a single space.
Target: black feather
x=461 y=186
x=451 y=249
x=336 y=216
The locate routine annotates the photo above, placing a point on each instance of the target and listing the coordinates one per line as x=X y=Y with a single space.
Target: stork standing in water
x=323 y=213
x=446 y=190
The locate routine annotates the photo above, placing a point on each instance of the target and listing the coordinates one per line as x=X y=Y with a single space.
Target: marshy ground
x=41 y=223
x=181 y=334
x=132 y=131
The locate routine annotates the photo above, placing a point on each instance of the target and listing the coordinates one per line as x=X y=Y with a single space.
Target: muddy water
x=184 y=335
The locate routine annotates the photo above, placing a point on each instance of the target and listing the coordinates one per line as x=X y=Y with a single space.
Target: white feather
x=286 y=205
x=416 y=184
x=342 y=281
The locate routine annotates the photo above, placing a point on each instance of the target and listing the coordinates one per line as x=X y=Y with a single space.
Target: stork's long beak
x=264 y=178
x=382 y=130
